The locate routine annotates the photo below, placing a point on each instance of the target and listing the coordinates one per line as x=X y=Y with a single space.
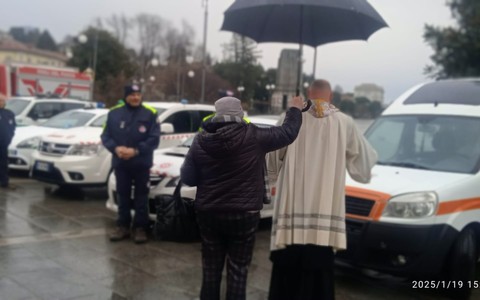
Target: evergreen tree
x=46 y=42
x=457 y=48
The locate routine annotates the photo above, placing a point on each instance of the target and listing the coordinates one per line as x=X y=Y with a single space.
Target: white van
x=420 y=214
x=33 y=110
x=76 y=156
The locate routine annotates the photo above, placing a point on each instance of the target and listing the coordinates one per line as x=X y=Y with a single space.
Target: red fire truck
x=33 y=80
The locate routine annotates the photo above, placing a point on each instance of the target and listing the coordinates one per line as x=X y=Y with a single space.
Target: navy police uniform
x=7 y=131
x=138 y=128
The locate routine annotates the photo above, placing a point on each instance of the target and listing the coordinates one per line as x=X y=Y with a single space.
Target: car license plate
x=42 y=166
x=12 y=152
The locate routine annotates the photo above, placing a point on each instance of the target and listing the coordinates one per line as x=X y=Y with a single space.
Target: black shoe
x=140 y=236
x=119 y=234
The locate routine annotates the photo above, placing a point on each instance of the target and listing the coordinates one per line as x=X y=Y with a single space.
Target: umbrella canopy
x=307 y=22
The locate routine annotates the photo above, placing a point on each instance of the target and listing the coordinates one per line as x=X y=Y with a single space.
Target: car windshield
x=69 y=119
x=160 y=111
x=99 y=122
x=188 y=142
x=428 y=142
x=17 y=105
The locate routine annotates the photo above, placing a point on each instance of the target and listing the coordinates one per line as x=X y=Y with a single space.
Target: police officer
x=7 y=131
x=131 y=134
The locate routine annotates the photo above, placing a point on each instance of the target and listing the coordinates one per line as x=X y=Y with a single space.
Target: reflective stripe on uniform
x=150 y=108
x=118 y=106
x=208 y=117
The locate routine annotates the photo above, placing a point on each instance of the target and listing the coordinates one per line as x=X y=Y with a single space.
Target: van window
x=386 y=135
x=447 y=92
x=70 y=106
x=69 y=119
x=205 y=113
x=45 y=110
x=99 y=122
x=181 y=121
x=17 y=106
x=430 y=142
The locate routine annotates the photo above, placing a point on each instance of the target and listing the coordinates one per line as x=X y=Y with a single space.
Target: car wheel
x=108 y=177
x=462 y=262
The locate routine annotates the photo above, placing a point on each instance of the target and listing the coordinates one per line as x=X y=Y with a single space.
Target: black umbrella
x=305 y=22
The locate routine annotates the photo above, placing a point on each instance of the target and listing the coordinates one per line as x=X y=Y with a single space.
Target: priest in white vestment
x=309 y=214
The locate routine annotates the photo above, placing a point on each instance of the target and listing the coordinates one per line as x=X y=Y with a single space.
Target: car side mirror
x=166 y=128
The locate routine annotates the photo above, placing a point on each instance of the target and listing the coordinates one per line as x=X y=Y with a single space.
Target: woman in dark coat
x=227 y=164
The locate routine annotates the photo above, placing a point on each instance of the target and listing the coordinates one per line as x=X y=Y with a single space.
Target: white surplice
x=310 y=203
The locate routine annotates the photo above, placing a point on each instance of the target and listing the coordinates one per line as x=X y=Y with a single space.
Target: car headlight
x=85 y=150
x=31 y=143
x=412 y=206
x=173 y=182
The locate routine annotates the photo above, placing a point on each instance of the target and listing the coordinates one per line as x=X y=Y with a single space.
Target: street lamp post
x=240 y=90
x=95 y=54
x=190 y=75
x=204 y=52
x=152 y=80
x=189 y=60
x=143 y=83
x=270 y=88
x=154 y=62
x=83 y=39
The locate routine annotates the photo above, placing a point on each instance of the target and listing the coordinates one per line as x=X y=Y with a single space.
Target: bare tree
x=151 y=36
x=120 y=27
x=150 y=29
x=179 y=44
x=197 y=54
x=241 y=50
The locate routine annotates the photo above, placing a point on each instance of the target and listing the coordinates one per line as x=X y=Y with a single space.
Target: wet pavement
x=53 y=245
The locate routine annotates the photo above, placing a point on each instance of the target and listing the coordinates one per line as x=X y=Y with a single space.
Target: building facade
x=286 y=84
x=14 y=52
x=371 y=91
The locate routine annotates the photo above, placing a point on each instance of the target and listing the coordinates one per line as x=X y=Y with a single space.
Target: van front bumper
x=19 y=159
x=82 y=171
x=398 y=249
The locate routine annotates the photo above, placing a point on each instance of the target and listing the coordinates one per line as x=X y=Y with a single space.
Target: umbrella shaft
x=300 y=69
x=300 y=54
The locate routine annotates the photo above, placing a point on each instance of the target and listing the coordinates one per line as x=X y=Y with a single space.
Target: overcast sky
x=394 y=57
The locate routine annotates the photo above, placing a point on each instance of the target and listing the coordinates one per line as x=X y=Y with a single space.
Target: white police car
x=77 y=157
x=27 y=138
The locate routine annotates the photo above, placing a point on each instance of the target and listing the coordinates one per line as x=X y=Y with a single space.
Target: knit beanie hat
x=229 y=106
x=130 y=89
